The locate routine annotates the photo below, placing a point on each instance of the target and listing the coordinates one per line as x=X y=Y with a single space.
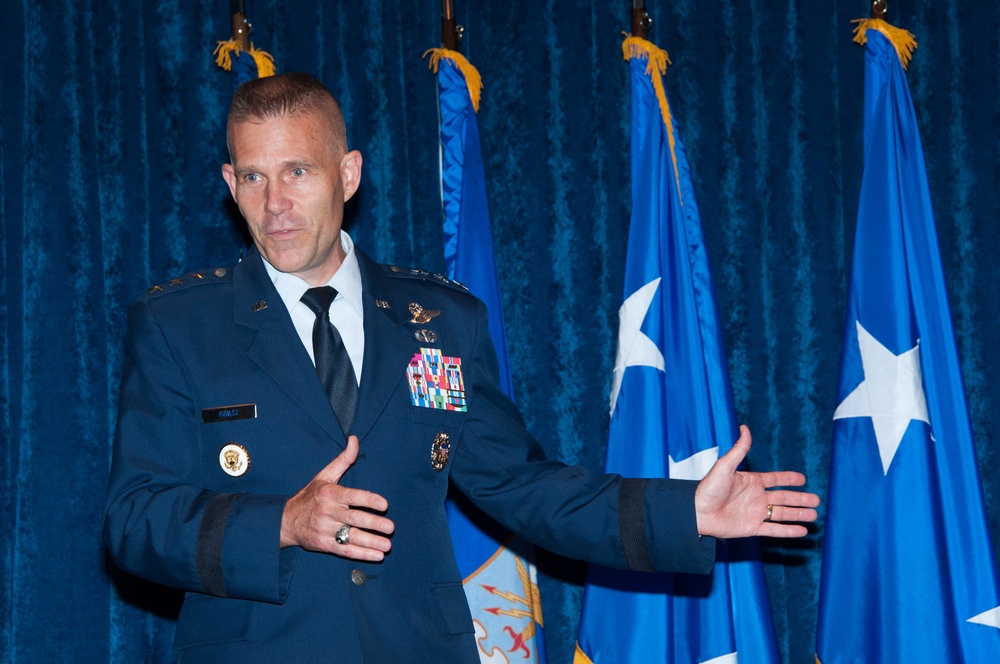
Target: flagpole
x=499 y=578
x=241 y=26
x=451 y=34
x=641 y=20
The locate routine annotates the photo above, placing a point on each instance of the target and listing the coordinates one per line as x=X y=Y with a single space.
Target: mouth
x=283 y=233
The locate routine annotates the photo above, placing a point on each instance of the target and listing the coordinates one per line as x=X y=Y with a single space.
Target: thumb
x=336 y=468
x=731 y=460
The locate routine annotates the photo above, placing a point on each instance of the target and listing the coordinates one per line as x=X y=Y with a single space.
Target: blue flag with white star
x=672 y=413
x=908 y=573
x=499 y=577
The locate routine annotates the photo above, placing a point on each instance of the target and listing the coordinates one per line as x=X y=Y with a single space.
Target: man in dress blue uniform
x=284 y=450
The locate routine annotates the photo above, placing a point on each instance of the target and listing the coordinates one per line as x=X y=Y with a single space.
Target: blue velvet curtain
x=112 y=120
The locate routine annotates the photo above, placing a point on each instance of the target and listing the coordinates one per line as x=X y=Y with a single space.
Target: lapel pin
x=259 y=306
x=381 y=304
x=425 y=336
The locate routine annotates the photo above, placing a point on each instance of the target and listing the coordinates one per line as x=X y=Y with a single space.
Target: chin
x=282 y=262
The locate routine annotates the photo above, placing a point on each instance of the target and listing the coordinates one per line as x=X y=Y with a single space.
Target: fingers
x=781 y=478
x=341 y=506
x=783 y=497
x=361 y=545
x=788 y=509
x=337 y=495
x=782 y=530
x=783 y=513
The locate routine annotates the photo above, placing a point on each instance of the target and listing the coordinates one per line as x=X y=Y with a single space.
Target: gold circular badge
x=234 y=459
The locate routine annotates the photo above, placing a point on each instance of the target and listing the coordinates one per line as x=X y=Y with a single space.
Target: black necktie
x=332 y=361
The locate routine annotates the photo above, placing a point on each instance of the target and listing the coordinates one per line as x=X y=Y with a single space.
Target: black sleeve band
x=632 y=524
x=211 y=534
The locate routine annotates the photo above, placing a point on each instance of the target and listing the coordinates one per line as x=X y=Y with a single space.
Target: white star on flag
x=892 y=394
x=635 y=349
x=724 y=659
x=989 y=618
x=695 y=467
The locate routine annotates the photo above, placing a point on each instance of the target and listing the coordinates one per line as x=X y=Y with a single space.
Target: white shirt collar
x=346 y=280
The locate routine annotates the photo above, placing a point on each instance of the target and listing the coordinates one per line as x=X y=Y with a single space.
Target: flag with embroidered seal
x=499 y=578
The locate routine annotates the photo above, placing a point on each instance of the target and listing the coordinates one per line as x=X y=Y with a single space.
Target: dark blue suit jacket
x=223 y=338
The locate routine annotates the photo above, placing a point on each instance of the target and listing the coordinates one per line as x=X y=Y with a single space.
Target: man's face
x=290 y=185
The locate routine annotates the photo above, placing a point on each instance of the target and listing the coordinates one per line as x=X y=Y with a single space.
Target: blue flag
x=671 y=413
x=500 y=580
x=908 y=572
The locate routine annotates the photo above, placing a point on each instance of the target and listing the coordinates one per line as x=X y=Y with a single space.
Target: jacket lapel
x=389 y=344
x=275 y=347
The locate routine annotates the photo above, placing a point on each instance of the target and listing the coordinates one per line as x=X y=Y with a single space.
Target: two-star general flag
x=908 y=573
x=672 y=413
x=499 y=578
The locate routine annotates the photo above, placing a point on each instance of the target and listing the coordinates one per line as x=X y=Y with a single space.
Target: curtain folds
x=112 y=131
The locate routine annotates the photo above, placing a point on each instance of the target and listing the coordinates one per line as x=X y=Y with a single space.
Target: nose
x=277 y=200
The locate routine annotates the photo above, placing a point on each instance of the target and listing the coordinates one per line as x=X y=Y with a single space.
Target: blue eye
x=251 y=177
x=298 y=172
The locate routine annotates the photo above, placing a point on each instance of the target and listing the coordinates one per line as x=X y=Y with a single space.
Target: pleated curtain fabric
x=112 y=133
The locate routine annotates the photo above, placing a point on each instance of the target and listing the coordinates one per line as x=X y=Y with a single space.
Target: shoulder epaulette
x=424 y=275
x=189 y=279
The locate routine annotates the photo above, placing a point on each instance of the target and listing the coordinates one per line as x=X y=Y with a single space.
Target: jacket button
x=358 y=577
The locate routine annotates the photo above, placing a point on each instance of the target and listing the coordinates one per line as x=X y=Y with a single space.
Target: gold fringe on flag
x=904 y=42
x=657 y=61
x=472 y=78
x=580 y=657
x=224 y=57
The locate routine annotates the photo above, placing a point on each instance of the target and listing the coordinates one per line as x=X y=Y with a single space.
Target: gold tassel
x=580 y=657
x=224 y=53
x=904 y=42
x=472 y=78
x=264 y=60
x=657 y=61
x=224 y=57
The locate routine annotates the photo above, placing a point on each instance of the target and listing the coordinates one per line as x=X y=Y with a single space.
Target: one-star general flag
x=499 y=579
x=671 y=413
x=908 y=572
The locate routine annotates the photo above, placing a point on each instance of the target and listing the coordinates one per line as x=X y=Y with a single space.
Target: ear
x=350 y=173
x=229 y=175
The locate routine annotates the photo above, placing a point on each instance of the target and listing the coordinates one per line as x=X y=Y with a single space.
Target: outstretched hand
x=313 y=516
x=731 y=503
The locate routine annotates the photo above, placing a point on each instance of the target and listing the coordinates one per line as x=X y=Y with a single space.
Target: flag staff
x=641 y=20
x=451 y=34
x=241 y=26
x=880 y=9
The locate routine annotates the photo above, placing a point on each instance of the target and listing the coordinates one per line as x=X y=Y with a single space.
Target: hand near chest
x=313 y=517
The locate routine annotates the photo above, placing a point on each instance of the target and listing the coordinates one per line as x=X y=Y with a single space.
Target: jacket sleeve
x=160 y=520
x=638 y=524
